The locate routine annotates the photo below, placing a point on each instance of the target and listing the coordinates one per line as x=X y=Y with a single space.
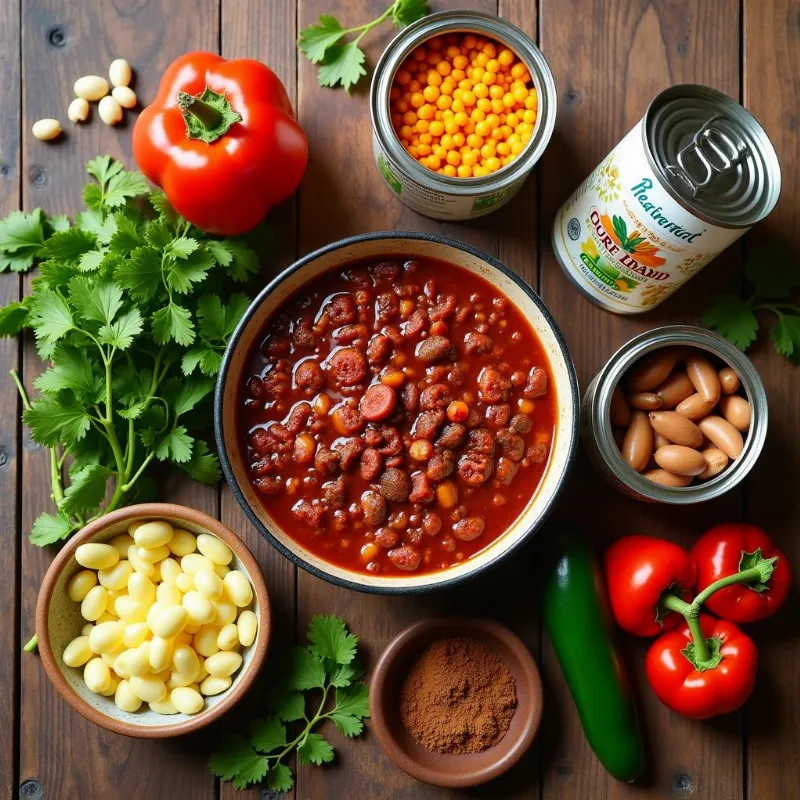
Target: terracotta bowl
x=58 y=621
x=453 y=771
x=386 y=244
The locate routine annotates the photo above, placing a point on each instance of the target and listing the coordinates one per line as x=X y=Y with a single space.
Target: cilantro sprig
x=126 y=312
x=774 y=274
x=341 y=60
x=327 y=667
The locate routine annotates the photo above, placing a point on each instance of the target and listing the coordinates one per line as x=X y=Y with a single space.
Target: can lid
x=712 y=155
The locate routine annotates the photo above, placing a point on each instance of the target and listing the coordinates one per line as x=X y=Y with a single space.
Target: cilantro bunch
x=774 y=274
x=327 y=667
x=126 y=311
x=342 y=62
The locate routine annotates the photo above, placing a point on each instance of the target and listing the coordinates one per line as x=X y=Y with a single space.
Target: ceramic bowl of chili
x=396 y=412
x=462 y=659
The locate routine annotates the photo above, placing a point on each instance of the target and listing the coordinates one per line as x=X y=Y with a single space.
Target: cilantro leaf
x=86 y=490
x=353 y=700
x=91 y=260
x=203 y=466
x=185 y=271
x=69 y=245
x=244 y=262
x=733 y=318
x=211 y=317
x=50 y=316
x=173 y=322
x=190 y=394
x=175 y=446
x=103 y=168
x=341 y=676
x=14 y=317
x=121 y=333
x=96 y=302
x=280 y=778
x=49 y=529
x=183 y=246
x=267 y=734
x=786 y=336
x=314 y=749
x=344 y=65
x=22 y=238
x=292 y=706
x=210 y=363
x=53 y=420
x=330 y=639
x=220 y=251
x=164 y=208
x=347 y=724
x=126 y=238
x=307 y=671
x=404 y=12
x=141 y=273
x=123 y=185
x=72 y=371
x=315 y=40
x=236 y=760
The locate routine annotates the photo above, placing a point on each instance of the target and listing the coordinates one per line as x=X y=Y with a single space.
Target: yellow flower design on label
x=608 y=181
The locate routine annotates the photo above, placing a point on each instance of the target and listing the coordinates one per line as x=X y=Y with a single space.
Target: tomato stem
x=691 y=613
x=208 y=116
x=205 y=113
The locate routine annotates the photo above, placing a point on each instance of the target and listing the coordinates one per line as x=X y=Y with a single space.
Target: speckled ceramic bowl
x=58 y=621
x=381 y=245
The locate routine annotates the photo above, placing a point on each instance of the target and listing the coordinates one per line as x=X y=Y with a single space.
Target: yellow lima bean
x=228 y=638
x=97 y=676
x=153 y=534
x=223 y=664
x=187 y=700
x=213 y=549
x=185 y=661
x=125 y=699
x=213 y=685
x=140 y=587
x=163 y=707
x=80 y=584
x=182 y=543
x=129 y=609
x=238 y=588
x=170 y=569
x=148 y=688
x=160 y=654
x=166 y=621
x=247 y=625
x=135 y=633
x=94 y=555
x=77 y=652
x=199 y=607
x=106 y=637
x=121 y=543
x=94 y=604
x=207 y=582
x=205 y=640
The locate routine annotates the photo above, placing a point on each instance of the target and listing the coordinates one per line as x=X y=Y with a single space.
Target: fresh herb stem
x=32 y=645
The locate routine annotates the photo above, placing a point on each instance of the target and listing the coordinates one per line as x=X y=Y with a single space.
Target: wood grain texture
x=10 y=286
x=772 y=94
x=66 y=755
x=253 y=29
x=609 y=60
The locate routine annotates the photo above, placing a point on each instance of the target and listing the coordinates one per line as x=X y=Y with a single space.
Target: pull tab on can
x=716 y=153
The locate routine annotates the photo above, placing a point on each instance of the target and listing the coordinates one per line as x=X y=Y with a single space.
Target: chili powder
x=459 y=697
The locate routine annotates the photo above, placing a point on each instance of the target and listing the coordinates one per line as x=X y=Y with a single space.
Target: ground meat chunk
x=349 y=451
x=297 y=418
x=405 y=557
x=421 y=488
x=482 y=441
x=444 y=309
x=416 y=323
x=431 y=523
x=436 y=348
x=371 y=464
x=474 y=418
x=493 y=387
x=428 y=423
x=510 y=445
x=347 y=366
x=255 y=388
x=469 y=528
x=341 y=310
x=537 y=453
x=268 y=485
x=520 y=423
x=409 y=397
x=277 y=347
x=392 y=441
x=276 y=384
x=393 y=334
x=475 y=468
x=374 y=506
x=452 y=436
x=333 y=492
x=309 y=377
x=385 y=270
x=303 y=332
x=378 y=349
x=440 y=465
x=387 y=305
x=505 y=470
x=348 y=334
x=386 y=537
x=326 y=461
x=498 y=414
x=436 y=396
x=478 y=344
x=311 y=513
x=395 y=485
x=536 y=385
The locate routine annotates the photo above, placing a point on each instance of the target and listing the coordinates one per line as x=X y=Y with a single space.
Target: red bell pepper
x=706 y=679
x=640 y=571
x=734 y=548
x=222 y=141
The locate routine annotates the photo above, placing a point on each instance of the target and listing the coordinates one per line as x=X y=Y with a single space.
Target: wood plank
x=10 y=285
x=62 y=752
x=253 y=29
x=341 y=157
x=607 y=68
x=772 y=93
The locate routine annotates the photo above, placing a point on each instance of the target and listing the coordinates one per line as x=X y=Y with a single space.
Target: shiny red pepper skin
x=226 y=186
x=639 y=570
x=717 y=554
x=700 y=695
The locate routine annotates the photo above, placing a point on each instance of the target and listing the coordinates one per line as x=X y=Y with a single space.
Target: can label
x=434 y=203
x=625 y=240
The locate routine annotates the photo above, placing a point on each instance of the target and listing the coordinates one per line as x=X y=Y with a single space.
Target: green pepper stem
x=206 y=114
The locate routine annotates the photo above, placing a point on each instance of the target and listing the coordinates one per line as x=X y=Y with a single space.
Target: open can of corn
x=463 y=105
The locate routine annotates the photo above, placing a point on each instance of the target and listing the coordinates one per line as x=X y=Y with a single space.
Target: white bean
x=91 y=87
x=110 y=111
x=46 y=129
x=125 y=96
x=120 y=72
x=78 y=110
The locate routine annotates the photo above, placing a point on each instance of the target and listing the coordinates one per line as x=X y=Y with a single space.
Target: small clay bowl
x=58 y=621
x=453 y=771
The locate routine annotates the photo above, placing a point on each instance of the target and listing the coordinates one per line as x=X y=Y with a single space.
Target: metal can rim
x=609 y=376
x=474 y=21
x=676 y=195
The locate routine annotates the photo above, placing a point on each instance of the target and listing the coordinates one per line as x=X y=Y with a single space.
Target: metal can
x=428 y=192
x=692 y=176
x=597 y=435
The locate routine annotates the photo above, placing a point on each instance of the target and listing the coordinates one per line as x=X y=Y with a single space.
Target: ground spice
x=459 y=697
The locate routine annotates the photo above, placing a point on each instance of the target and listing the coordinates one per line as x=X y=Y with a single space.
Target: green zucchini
x=578 y=622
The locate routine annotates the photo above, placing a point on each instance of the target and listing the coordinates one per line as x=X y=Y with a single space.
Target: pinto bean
x=620 y=411
x=481 y=440
x=520 y=423
x=492 y=386
x=431 y=523
x=536 y=385
x=371 y=464
x=409 y=397
x=478 y=344
x=452 y=436
x=644 y=401
x=347 y=366
x=510 y=445
x=440 y=465
x=498 y=414
x=406 y=557
x=377 y=403
x=386 y=537
x=436 y=348
x=664 y=478
x=505 y=470
x=374 y=505
x=680 y=460
x=427 y=423
x=637 y=446
x=378 y=349
x=716 y=461
x=651 y=370
x=309 y=377
x=704 y=377
x=694 y=407
x=444 y=309
x=475 y=468
x=436 y=396
x=469 y=528
x=395 y=485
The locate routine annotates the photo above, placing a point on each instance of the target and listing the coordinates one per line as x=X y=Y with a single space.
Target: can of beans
x=432 y=177
x=598 y=435
x=693 y=175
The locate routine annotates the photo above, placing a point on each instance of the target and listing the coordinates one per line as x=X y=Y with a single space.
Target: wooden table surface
x=610 y=58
